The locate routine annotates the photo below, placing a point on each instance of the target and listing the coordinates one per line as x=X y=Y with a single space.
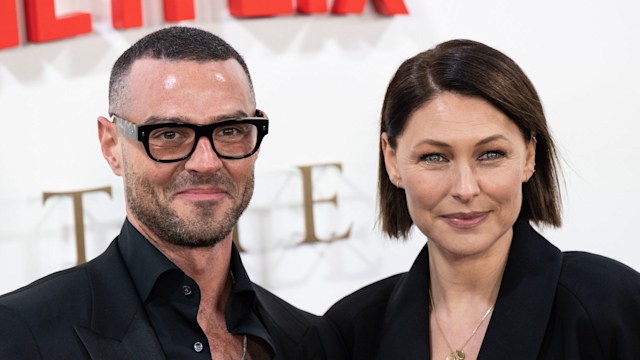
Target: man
x=184 y=134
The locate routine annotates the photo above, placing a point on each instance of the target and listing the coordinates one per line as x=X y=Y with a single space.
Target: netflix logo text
x=43 y=25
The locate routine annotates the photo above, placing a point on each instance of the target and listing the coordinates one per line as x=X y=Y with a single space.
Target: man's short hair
x=172 y=43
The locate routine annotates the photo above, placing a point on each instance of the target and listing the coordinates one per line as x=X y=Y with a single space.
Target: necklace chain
x=244 y=347
x=457 y=354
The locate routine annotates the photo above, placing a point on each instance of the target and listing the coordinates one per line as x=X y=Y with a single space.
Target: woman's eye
x=492 y=155
x=433 y=158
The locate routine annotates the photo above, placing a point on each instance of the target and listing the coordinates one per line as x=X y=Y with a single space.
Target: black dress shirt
x=171 y=300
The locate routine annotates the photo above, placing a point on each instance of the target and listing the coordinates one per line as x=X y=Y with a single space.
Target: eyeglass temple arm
x=127 y=128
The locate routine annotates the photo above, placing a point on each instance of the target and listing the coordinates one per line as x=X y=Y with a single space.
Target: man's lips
x=201 y=194
x=465 y=220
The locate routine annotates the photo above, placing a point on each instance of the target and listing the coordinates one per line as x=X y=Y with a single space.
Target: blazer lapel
x=520 y=316
x=406 y=321
x=120 y=328
x=525 y=299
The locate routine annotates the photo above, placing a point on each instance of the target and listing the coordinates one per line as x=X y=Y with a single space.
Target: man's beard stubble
x=165 y=222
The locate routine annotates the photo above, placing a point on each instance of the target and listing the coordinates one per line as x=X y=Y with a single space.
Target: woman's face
x=462 y=163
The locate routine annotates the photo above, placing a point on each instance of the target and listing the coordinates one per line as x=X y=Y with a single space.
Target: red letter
x=390 y=7
x=177 y=10
x=43 y=25
x=8 y=24
x=384 y=7
x=254 y=8
x=126 y=14
x=312 y=6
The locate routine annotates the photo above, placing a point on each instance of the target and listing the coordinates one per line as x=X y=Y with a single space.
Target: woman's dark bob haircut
x=469 y=68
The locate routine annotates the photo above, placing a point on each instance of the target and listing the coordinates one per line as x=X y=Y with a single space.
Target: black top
x=551 y=305
x=171 y=299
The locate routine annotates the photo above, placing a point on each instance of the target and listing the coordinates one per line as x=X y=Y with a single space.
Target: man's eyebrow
x=162 y=119
x=236 y=115
x=182 y=120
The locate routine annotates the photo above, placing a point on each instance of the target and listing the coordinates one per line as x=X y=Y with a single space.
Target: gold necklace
x=457 y=354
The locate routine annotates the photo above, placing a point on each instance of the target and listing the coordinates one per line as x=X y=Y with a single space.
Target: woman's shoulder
x=368 y=302
x=595 y=281
x=596 y=297
x=596 y=271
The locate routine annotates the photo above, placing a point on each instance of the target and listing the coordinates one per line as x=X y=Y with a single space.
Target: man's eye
x=169 y=134
x=232 y=131
x=228 y=132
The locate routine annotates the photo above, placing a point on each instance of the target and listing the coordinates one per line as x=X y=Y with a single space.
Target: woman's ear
x=530 y=161
x=390 y=161
x=108 y=136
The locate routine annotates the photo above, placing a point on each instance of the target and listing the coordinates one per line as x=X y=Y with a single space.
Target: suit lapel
x=406 y=322
x=120 y=328
x=526 y=296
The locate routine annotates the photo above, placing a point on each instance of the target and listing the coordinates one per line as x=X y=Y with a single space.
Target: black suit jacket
x=93 y=311
x=551 y=305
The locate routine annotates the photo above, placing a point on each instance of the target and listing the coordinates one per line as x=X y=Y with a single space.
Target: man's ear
x=390 y=161
x=111 y=150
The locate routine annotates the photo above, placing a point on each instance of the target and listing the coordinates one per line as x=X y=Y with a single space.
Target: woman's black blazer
x=551 y=305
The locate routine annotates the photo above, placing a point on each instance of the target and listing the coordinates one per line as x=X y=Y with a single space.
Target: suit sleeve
x=617 y=318
x=16 y=339
x=608 y=293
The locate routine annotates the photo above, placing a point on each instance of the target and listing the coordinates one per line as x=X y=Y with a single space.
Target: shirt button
x=197 y=346
x=186 y=290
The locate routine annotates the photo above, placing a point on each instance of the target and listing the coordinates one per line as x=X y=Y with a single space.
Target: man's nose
x=204 y=159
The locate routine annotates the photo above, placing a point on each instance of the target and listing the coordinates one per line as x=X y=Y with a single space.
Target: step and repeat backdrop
x=320 y=69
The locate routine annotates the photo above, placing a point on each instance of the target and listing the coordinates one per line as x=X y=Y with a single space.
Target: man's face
x=197 y=201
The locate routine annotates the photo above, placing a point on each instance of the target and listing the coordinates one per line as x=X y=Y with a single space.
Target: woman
x=467 y=157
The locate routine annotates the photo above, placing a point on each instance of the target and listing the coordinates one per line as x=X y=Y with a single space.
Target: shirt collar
x=146 y=265
x=145 y=262
x=242 y=315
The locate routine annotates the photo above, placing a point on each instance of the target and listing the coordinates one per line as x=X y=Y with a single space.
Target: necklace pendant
x=456 y=355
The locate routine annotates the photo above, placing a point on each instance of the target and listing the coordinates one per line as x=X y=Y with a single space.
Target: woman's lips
x=465 y=220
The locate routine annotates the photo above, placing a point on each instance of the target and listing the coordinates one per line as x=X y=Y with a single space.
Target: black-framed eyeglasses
x=171 y=142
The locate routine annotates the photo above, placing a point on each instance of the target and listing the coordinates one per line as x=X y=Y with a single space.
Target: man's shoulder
x=36 y=318
x=62 y=291
x=60 y=284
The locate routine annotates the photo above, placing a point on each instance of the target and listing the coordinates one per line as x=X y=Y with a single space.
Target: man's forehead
x=153 y=75
x=186 y=88
x=154 y=67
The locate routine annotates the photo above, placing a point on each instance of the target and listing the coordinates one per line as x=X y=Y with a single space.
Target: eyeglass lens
x=175 y=142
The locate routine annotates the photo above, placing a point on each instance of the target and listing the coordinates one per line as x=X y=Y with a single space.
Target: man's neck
x=207 y=266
